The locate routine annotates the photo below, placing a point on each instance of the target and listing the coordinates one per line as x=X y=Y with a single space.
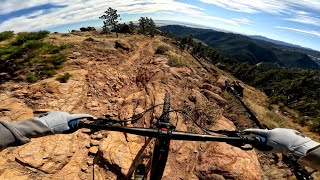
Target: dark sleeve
x=312 y=159
x=20 y=132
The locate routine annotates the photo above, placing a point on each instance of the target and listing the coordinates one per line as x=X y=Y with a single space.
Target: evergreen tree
x=143 y=25
x=123 y=28
x=147 y=26
x=111 y=17
x=151 y=27
x=189 y=41
x=132 y=27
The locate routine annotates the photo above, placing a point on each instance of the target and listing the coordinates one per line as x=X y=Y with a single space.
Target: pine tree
x=147 y=26
x=111 y=17
x=132 y=27
x=143 y=25
x=151 y=27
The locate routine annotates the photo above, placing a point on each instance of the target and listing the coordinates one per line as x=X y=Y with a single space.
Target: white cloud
x=310 y=32
x=8 y=6
x=250 y=6
x=242 y=21
x=36 y=13
x=232 y=21
x=267 y=6
x=291 y=8
x=305 y=20
x=74 y=11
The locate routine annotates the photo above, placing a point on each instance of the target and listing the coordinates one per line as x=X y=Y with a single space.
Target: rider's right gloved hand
x=285 y=141
x=59 y=122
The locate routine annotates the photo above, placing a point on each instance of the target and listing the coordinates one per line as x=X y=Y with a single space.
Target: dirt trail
x=109 y=81
x=139 y=54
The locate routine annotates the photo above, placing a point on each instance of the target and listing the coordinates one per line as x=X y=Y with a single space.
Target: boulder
x=184 y=71
x=9 y=174
x=212 y=88
x=94 y=142
x=90 y=39
x=118 y=152
x=221 y=66
x=213 y=96
x=221 y=82
x=219 y=160
x=12 y=109
x=223 y=161
x=99 y=136
x=48 y=154
x=122 y=45
x=93 y=150
x=76 y=53
x=197 y=97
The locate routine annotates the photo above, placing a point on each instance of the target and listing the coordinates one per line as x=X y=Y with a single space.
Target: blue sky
x=293 y=21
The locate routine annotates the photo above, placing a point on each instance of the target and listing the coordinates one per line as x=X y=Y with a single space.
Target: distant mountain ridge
x=258 y=37
x=249 y=49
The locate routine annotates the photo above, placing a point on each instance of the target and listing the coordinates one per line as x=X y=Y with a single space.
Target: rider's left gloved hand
x=57 y=121
x=286 y=141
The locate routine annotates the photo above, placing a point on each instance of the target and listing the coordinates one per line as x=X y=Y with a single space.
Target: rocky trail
x=120 y=83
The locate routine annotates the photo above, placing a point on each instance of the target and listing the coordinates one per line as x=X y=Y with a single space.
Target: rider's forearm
x=20 y=132
x=6 y=137
x=312 y=159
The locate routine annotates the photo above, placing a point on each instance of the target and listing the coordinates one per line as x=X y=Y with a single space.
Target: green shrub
x=35 y=60
x=32 y=44
x=48 y=73
x=162 y=49
x=57 y=60
x=105 y=30
x=32 y=77
x=175 y=62
x=66 y=45
x=6 y=35
x=64 y=78
x=29 y=53
x=8 y=49
x=24 y=37
x=314 y=125
x=10 y=52
x=297 y=89
x=303 y=121
x=50 y=49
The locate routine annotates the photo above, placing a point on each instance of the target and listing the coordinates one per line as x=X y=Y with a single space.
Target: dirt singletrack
x=144 y=48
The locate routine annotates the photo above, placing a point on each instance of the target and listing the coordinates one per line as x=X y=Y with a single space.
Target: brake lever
x=235 y=134
x=241 y=146
x=229 y=133
x=105 y=121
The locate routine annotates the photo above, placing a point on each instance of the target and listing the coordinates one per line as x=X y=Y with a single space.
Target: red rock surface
x=106 y=81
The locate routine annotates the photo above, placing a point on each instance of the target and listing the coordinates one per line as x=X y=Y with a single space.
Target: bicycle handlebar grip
x=262 y=140
x=260 y=143
x=257 y=140
x=74 y=124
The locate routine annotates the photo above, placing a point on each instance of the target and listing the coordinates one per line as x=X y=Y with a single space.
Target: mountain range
x=258 y=37
x=253 y=49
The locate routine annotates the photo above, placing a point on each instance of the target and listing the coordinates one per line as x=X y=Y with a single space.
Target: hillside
x=121 y=82
x=250 y=50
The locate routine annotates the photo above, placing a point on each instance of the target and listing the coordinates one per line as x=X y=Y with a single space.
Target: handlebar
x=173 y=135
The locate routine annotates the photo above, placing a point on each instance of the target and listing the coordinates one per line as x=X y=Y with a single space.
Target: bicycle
x=164 y=132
